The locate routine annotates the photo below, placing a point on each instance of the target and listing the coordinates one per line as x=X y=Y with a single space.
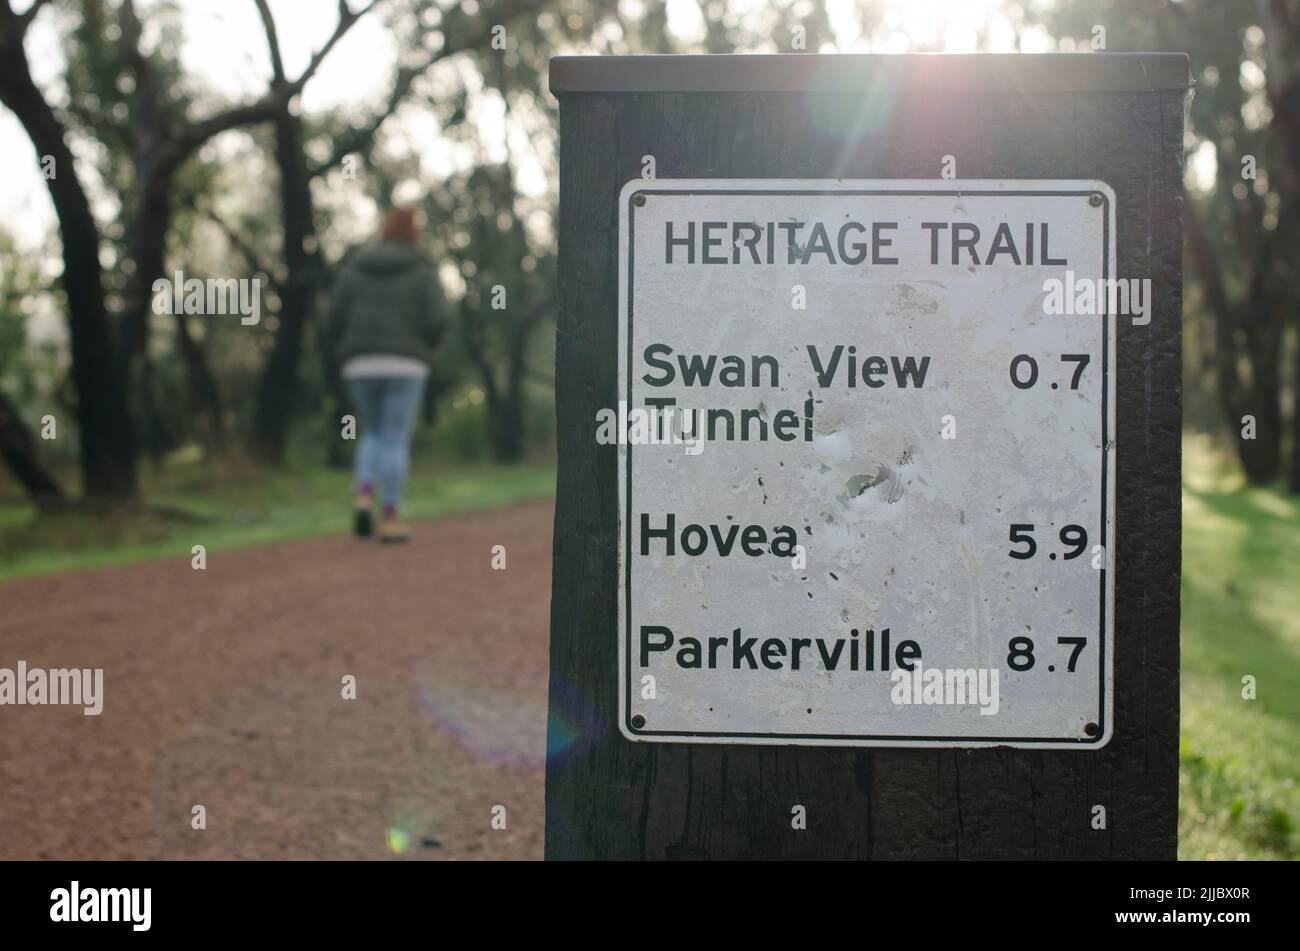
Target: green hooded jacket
x=387 y=300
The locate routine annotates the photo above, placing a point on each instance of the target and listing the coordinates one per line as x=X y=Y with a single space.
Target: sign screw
x=638 y=198
x=1091 y=729
x=1094 y=199
x=638 y=721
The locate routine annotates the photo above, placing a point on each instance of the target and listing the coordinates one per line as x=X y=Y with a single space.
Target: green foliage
x=20 y=289
x=1238 y=796
x=462 y=427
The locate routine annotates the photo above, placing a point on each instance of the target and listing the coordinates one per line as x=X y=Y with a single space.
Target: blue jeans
x=386 y=406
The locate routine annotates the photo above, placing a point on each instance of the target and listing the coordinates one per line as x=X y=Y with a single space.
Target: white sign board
x=866 y=462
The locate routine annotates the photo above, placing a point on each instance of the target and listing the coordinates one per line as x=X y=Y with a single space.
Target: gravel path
x=222 y=688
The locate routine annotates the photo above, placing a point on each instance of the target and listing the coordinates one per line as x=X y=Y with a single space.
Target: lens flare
x=398 y=840
x=849 y=117
x=500 y=715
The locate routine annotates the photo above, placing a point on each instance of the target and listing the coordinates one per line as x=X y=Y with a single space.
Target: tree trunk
x=507 y=415
x=148 y=251
x=278 y=391
x=1293 y=483
x=1262 y=456
x=152 y=436
x=204 y=395
x=18 y=449
x=107 y=442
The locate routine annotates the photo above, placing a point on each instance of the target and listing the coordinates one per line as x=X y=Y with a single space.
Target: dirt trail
x=222 y=688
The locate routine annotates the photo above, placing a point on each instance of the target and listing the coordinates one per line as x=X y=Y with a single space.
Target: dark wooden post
x=1114 y=118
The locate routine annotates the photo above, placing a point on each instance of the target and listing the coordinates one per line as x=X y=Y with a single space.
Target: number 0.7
x=1024 y=378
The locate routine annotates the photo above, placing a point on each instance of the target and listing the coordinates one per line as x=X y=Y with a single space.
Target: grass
x=1241 y=617
x=240 y=504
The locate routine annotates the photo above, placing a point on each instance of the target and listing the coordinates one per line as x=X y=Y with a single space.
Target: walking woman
x=385 y=315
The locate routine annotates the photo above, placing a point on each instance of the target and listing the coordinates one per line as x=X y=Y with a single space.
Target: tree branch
x=347 y=19
x=272 y=40
x=246 y=251
x=356 y=137
x=196 y=133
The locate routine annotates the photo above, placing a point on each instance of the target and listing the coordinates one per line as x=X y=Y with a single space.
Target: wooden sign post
x=868 y=382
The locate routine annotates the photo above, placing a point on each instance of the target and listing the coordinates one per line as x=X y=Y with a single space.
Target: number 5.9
x=1073 y=537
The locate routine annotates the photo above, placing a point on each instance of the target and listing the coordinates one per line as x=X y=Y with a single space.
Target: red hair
x=399 y=225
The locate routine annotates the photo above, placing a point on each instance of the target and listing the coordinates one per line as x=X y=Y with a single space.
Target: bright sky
x=224 y=50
